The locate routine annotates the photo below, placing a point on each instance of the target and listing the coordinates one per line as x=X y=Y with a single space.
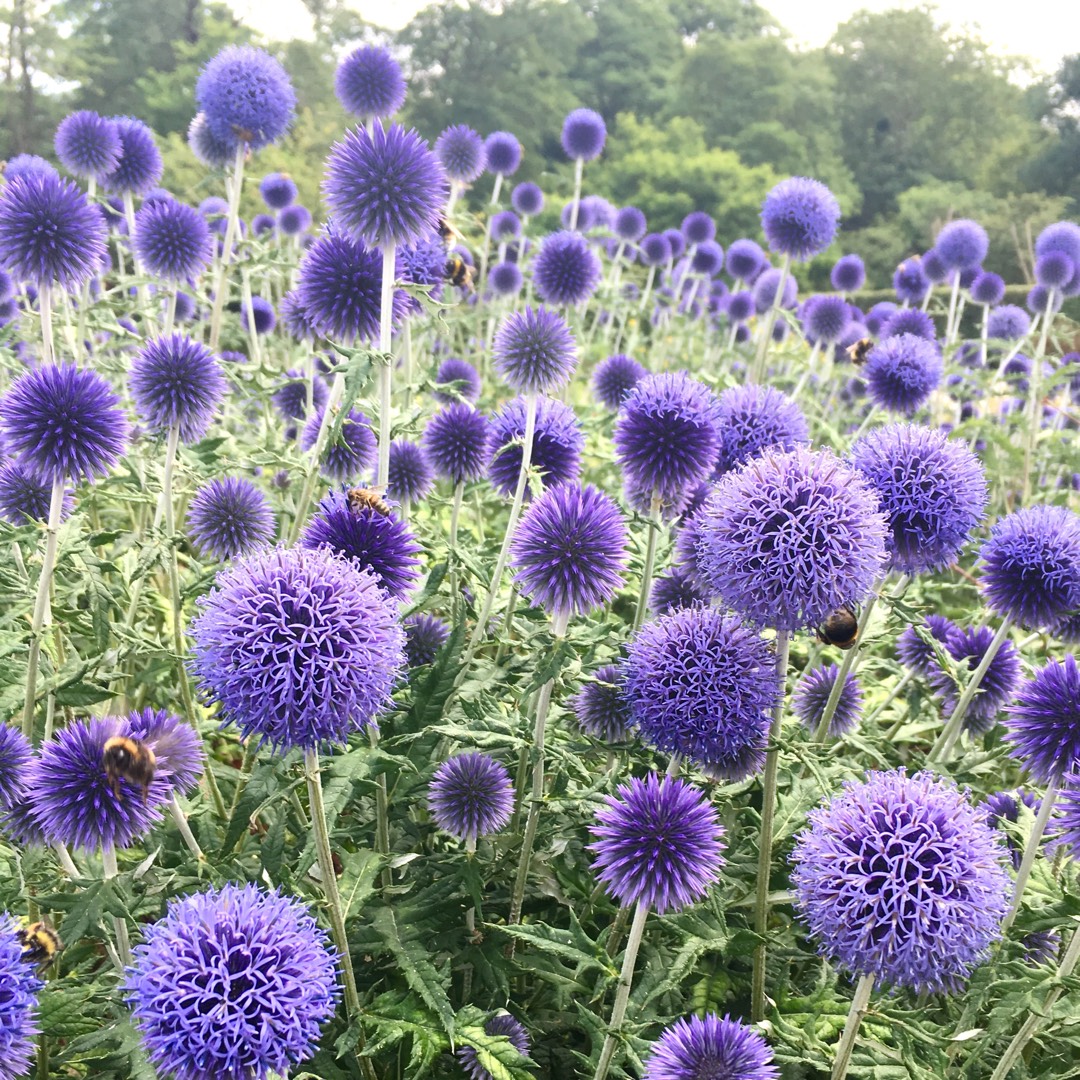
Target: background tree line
x=707 y=104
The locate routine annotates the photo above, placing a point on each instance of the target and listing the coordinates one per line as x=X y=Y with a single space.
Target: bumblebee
x=860 y=350
x=129 y=759
x=447 y=233
x=40 y=944
x=360 y=498
x=458 y=272
x=840 y=629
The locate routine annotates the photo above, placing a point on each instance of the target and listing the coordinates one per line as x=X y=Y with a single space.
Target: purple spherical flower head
x=569 y=550
x=20 y=985
x=1008 y=323
x=460 y=151
x=988 y=288
x=961 y=245
x=49 y=233
x=527 y=199
x=614 y=378
x=369 y=83
x=370 y=539
x=790 y=537
x=331 y=622
x=1054 y=270
x=456 y=442
x=246 y=96
x=28 y=167
x=914 y=652
x=698 y=227
x=178 y=749
x=935 y=270
x=1043 y=723
x=499 y=1024
x=800 y=218
x=504 y=225
x=765 y=287
x=384 y=186
x=967 y=648
x=658 y=843
x=666 y=435
x=630 y=224
x=263 y=311
x=932 y=490
x=140 y=167
x=348 y=455
x=1064 y=237
x=812 y=694
x=1067 y=812
x=262 y=225
x=290 y=398
x=910 y=281
x=87 y=144
x=176 y=381
x=908 y=321
x=471 y=795
x=676 y=589
x=65 y=423
x=655 y=249
x=505 y=279
x=74 y=801
x=740 y=306
x=825 y=318
x=209 y=150
x=1040 y=299
x=294 y=220
x=709 y=1046
x=231 y=983
x=744 y=259
x=1031 y=566
x=409 y=478
x=502 y=153
x=24 y=497
x=848 y=274
x=708 y=258
x=461 y=379
x=424 y=637
x=901 y=878
x=172 y=241
x=16 y=756
x=566 y=270
x=534 y=351
x=229 y=517
x=753 y=418
x=278 y=190
x=556 y=451
x=583 y=134
x=423 y=264
x=902 y=372
x=600 y=707
x=701 y=684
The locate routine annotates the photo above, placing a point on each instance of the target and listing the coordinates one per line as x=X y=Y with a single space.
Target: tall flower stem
x=951 y=732
x=768 y=814
x=249 y=308
x=181 y=822
x=1034 y=409
x=579 y=170
x=382 y=814
x=48 y=349
x=221 y=289
x=123 y=942
x=496 y=189
x=536 y=798
x=41 y=604
x=622 y=996
x=950 y=328
x=386 y=370
x=650 y=560
x=757 y=369
x=859 y=1004
x=1031 y=850
x=337 y=388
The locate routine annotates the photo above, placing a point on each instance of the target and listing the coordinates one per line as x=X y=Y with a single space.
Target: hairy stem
x=622 y=996
x=855 y=1014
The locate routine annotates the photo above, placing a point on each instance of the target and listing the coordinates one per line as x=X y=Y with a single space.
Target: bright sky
x=1044 y=30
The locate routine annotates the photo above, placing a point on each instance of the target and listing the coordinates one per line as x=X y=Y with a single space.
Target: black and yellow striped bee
x=860 y=350
x=40 y=944
x=841 y=629
x=129 y=759
x=360 y=498
x=458 y=272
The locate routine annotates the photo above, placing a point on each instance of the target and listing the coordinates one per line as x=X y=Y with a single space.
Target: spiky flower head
x=350 y=453
x=800 y=217
x=988 y=288
x=140 y=167
x=655 y=249
x=753 y=418
x=961 y=245
x=698 y=227
x=1008 y=323
x=744 y=259
x=172 y=240
x=208 y=149
x=908 y=321
x=914 y=652
x=25 y=497
x=527 y=199
x=231 y=983
x=614 y=378
x=505 y=279
x=502 y=153
x=177 y=381
x=659 y=843
x=902 y=878
x=278 y=190
x=902 y=372
x=569 y=550
x=409 y=477
x=460 y=151
x=534 y=351
x=246 y=96
x=600 y=706
x=566 y=270
x=701 y=684
x=812 y=695
x=678 y=588
x=558 y=442
x=369 y=83
x=968 y=647
x=825 y=318
x=178 y=749
x=384 y=186
x=294 y=220
x=630 y=224
x=261 y=313
x=583 y=134
x=290 y=398
x=330 y=618
x=1043 y=723
x=848 y=274
x=471 y=795
x=16 y=756
x=19 y=988
x=87 y=144
x=456 y=442
x=229 y=517
x=424 y=637
x=708 y=1046
x=499 y=1024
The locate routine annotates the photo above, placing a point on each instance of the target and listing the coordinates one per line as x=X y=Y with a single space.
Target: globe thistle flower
x=16 y=756
x=471 y=795
x=790 y=537
x=278 y=190
x=914 y=653
x=878 y=316
x=583 y=135
x=988 y=288
x=502 y=154
x=1031 y=566
x=630 y=224
x=209 y=150
x=369 y=83
x=556 y=450
x=423 y=264
x=848 y=274
x=967 y=648
x=569 y=550
x=461 y=376
x=901 y=878
x=49 y=232
x=263 y=316
x=1042 y=725
x=961 y=245
x=1008 y=323
x=911 y=281
x=700 y=684
x=172 y=241
x=202 y=967
x=500 y=1024
x=666 y=435
x=932 y=490
x=566 y=270
x=710 y=1046
x=812 y=695
x=744 y=259
x=655 y=249
x=424 y=637
x=909 y=321
x=348 y=455
x=19 y=1025
x=765 y=288
x=504 y=226
x=455 y=442
x=600 y=706
x=740 y=306
x=800 y=217
x=370 y=539
x=708 y=258
x=28 y=167
x=178 y=750
x=229 y=517
x=753 y=418
x=534 y=351
x=290 y=398
x=658 y=843
x=1004 y=806
x=1042 y=300
x=176 y=381
x=1054 y=270
x=63 y=422
x=87 y=144
x=825 y=318
x=294 y=220
x=460 y=151
x=614 y=378
x=262 y=225
x=140 y=166
x=678 y=588
x=902 y=372
x=698 y=227
x=331 y=619
x=384 y=186
x=505 y=279
x=409 y=478
x=527 y=199
x=24 y=498
x=246 y=97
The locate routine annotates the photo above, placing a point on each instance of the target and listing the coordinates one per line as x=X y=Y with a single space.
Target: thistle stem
x=123 y=942
x=622 y=996
x=579 y=170
x=1035 y=412
x=386 y=370
x=48 y=350
x=221 y=289
x=382 y=814
x=855 y=1014
x=1031 y=850
x=757 y=369
x=650 y=560
x=337 y=388
x=181 y=821
x=950 y=329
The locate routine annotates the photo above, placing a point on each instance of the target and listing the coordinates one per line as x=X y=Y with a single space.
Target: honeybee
x=40 y=943
x=130 y=759
x=459 y=272
x=447 y=233
x=860 y=350
x=360 y=498
x=839 y=629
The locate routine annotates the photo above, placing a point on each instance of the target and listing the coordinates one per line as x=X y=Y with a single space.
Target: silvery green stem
x=382 y=813
x=950 y=329
x=650 y=559
x=497 y=189
x=41 y=604
x=855 y=1014
x=337 y=388
x=756 y=371
x=452 y=198
x=221 y=289
x=407 y=361
x=1031 y=850
x=622 y=996
x=579 y=169
x=871 y=414
x=1034 y=409
x=650 y=277
x=181 y=822
x=67 y=864
x=123 y=942
x=894 y=693
x=768 y=813
x=170 y=311
x=249 y=307
x=984 y=335
x=386 y=370
x=48 y=350
x=452 y=556
x=925 y=300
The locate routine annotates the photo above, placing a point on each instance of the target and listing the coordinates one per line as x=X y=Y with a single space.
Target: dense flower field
x=434 y=647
